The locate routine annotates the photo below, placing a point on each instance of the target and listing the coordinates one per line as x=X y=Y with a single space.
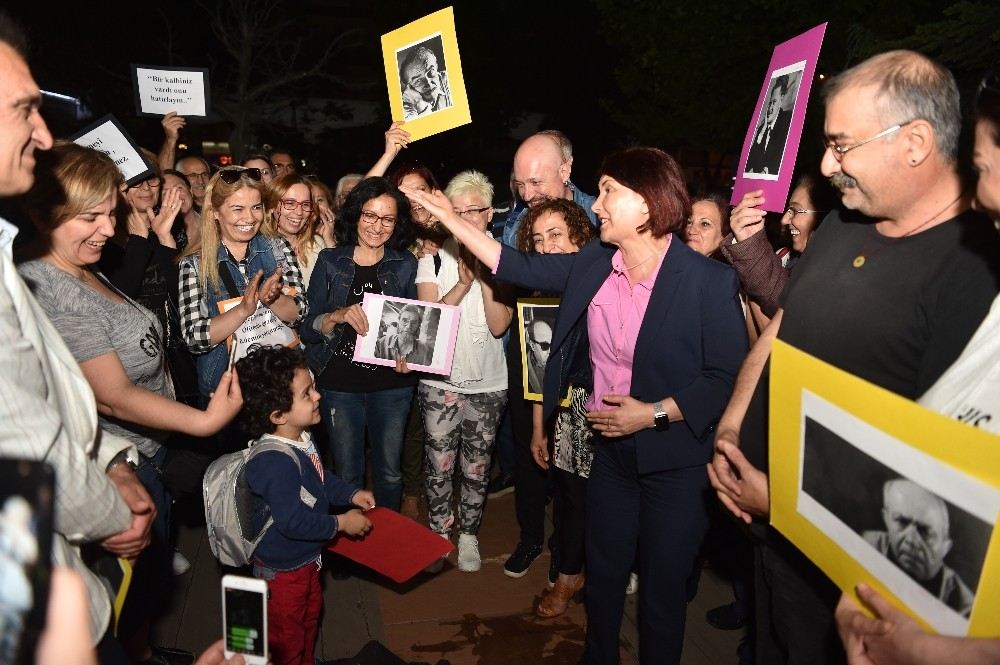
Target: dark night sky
x=544 y=62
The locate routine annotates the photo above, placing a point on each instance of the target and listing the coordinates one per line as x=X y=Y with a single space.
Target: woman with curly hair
x=373 y=232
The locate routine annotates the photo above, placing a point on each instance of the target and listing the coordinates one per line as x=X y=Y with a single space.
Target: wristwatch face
x=661 y=421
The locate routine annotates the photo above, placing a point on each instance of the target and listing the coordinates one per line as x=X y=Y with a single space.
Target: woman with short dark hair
x=665 y=336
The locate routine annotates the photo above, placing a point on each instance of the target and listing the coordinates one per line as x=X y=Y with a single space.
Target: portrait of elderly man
x=539 y=341
x=771 y=133
x=423 y=83
x=916 y=539
x=404 y=341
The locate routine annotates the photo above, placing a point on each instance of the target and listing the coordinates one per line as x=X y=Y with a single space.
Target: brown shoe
x=411 y=507
x=555 y=602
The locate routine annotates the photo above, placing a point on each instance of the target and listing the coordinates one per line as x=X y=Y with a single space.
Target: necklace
x=860 y=259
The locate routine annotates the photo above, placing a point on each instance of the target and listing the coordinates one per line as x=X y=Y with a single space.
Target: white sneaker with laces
x=468 y=553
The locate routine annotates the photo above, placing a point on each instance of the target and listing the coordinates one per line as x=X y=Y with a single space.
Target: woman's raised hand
x=436 y=203
x=270 y=290
x=162 y=222
x=396 y=138
x=251 y=296
x=747 y=218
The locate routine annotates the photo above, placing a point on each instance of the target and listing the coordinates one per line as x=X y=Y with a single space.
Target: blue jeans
x=383 y=412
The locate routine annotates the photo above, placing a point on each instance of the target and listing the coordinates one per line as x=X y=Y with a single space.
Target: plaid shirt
x=195 y=317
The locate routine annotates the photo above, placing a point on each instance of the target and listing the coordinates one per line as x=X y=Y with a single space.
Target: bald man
x=916 y=539
x=542 y=167
x=539 y=342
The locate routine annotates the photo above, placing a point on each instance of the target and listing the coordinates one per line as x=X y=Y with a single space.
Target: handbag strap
x=228 y=281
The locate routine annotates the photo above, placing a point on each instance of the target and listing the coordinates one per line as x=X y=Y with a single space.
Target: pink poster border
x=804 y=47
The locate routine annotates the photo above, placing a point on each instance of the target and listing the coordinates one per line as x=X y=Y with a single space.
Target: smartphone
x=26 y=497
x=244 y=616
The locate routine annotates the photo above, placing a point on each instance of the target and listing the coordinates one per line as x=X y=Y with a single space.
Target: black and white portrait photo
x=408 y=331
x=906 y=527
x=423 y=78
x=539 y=322
x=422 y=332
x=767 y=145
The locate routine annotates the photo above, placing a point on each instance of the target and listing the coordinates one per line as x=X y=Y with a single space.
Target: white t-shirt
x=479 y=365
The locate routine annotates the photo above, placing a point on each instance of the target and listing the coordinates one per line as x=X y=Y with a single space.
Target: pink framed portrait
x=772 y=140
x=422 y=332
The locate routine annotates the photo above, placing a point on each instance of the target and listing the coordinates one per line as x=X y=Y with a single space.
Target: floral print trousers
x=458 y=426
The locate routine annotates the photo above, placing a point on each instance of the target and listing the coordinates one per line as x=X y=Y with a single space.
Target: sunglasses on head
x=231 y=174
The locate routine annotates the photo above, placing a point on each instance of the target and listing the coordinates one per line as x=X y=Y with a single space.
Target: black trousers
x=529 y=478
x=571 y=514
x=664 y=515
x=795 y=603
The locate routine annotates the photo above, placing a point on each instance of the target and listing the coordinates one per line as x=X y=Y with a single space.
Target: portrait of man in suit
x=771 y=133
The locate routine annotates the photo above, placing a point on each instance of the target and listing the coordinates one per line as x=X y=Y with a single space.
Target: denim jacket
x=330 y=285
x=582 y=199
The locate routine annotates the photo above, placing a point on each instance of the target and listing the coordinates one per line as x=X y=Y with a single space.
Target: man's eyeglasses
x=150 y=184
x=471 y=212
x=292 y=204
x=840 y=150
x=370 y=218
x=231 y=174
x=793 y=211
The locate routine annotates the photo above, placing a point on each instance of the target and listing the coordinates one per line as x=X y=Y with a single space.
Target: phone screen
x=245 y=622
x=26 y=495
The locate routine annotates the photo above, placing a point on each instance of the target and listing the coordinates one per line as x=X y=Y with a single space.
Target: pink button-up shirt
x=613 y=320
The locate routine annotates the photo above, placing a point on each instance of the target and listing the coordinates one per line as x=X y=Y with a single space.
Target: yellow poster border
x=965 y=448
x=443 y=22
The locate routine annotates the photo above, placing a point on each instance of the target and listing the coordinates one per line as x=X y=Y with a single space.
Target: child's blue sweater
x=300 y=532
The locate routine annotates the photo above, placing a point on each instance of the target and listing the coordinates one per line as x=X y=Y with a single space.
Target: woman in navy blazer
x=664 y=331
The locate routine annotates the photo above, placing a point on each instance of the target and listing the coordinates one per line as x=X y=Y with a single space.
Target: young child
x=280 y=404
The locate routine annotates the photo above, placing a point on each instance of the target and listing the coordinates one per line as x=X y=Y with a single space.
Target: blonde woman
x=232 y=258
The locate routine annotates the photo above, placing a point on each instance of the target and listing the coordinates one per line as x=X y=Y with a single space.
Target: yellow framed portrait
x=423 y=73
x=536 y=326
x=875 y=488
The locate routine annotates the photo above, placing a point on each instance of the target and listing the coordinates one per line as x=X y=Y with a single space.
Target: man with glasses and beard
x=406 y=342
x=890 y=290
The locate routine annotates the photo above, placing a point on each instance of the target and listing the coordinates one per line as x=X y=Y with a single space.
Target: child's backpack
x=230 y=505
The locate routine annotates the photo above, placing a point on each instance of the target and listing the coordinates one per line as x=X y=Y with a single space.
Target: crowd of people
x=120 y=323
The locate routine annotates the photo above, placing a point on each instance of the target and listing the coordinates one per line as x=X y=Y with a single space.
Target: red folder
x=396 y=546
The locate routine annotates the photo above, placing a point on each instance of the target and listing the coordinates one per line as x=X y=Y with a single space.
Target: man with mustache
x=890 y=289
x=916 y=539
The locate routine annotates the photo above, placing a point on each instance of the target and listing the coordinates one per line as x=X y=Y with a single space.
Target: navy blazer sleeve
x=545 y=272
x=724 y=345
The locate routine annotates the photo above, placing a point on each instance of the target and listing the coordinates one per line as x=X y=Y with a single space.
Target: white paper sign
x=159 y=91
x=108 y=136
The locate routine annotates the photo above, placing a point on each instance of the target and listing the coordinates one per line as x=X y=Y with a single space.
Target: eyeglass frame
x=795 y=212
x=307 y=206
x=370 y=218
x=148 y=182
x=840 y=151
x=472 y=211
x=239 y=171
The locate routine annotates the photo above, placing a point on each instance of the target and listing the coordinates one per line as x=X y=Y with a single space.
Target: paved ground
x=484 y=618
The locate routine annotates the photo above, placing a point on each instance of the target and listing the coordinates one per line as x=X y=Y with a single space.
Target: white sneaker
x=181 y=564
x=468 y=553
x=633 y=584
